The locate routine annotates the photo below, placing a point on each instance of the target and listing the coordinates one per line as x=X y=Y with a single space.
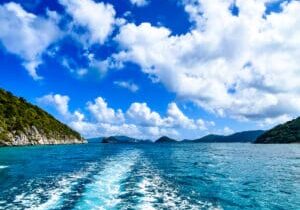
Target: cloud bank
x=137 y=121
x=238 y=60
x=244 y=66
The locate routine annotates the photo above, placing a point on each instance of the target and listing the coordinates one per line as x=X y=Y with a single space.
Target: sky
x=147 y=68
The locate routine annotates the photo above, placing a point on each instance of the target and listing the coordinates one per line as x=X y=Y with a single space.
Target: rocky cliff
x=22 y=123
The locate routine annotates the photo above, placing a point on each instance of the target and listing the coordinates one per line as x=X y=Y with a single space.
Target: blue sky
x=145 y=68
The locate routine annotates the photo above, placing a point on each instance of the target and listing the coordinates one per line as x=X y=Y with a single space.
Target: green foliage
x=245 y=136
x=17 y=115
x=286 y=133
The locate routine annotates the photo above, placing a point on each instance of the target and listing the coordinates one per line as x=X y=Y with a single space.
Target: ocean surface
x=150 y=176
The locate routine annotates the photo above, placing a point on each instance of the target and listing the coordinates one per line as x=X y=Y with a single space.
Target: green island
x=288 y=132
x=22 y=123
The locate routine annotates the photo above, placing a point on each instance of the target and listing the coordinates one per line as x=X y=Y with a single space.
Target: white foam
x=154 y=189
x=104 y=191
x=33 y=199
x=3 y=167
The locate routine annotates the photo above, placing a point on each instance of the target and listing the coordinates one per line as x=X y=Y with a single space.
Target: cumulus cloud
x=27 y=35
x=141 y=114
x=59 y=102
x=243 y=65
x=227 y=131
x=103 y=113
x=139 y=3
x=127 y=85
x=97 y=18
x=176 y=118
x=138 y=121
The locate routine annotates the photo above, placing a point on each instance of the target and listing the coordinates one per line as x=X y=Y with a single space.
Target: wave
x=157 y=193
x=40 y=195
x=3 y=167
x=105 y=189
x=125 y=181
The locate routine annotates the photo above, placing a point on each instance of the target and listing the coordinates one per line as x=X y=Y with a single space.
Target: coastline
x=44 y=142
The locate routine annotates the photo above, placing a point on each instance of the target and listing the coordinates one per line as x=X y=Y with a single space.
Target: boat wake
x=127 y=180
x=3 y=167
x=105 y=189
x=154 y=192
x=40 y=195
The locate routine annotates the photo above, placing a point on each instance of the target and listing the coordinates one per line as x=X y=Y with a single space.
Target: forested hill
x=240 y=137
x=22 y=123
x=288 y=132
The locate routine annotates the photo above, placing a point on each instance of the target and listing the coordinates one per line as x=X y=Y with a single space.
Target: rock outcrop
x=22 y=123
x=33 y=137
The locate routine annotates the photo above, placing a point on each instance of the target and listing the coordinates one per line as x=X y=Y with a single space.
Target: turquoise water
x=151 y=176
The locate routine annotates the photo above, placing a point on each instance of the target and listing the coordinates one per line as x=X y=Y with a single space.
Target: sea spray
x=43 y=196
x=104 y=191
x=158 y=193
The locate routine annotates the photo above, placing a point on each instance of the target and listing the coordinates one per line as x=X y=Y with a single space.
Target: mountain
x=22 y=123
x=288 y=132
x=165 y=139
x=123 y=139
x=240 y=137
x=110 y=140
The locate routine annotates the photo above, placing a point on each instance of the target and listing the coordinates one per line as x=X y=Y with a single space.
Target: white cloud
x=139 y=120
x=140 y=3
x=97 y=18
x=270 y=122
x=245 y=67
x=176 y=118
x=27 y=35
x=128 y=85
x=103 y=113
x=141 y=114
x=59 y=102
x=227 y=131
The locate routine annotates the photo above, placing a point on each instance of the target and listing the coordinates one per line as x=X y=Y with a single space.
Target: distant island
x=165 y=139
x=22 y=123
x=288 y=132
x=120 y=140
x=240 y=137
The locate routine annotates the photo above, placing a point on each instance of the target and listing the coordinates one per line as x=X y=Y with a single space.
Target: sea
x=151 y=176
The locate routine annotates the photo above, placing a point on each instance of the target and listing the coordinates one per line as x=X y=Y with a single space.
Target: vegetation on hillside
x=17 y=116
x=241 y=137
x=288 y=132
x=165 y=139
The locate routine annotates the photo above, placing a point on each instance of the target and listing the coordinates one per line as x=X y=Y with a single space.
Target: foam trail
x=55 y=195
x=3 y=167
x=157 y=193
x=103 y=192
